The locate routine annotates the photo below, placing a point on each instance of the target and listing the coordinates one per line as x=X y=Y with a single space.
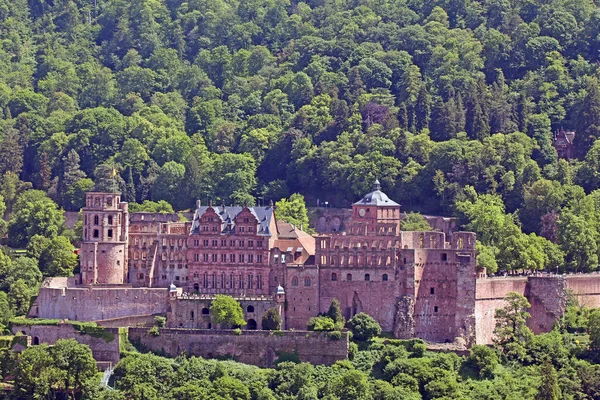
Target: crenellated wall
x=260 y=348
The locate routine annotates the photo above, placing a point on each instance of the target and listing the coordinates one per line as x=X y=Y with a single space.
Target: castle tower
x=103 y=255
x=376 y=214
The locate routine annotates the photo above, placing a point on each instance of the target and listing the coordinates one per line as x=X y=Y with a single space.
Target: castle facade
x=415 y=284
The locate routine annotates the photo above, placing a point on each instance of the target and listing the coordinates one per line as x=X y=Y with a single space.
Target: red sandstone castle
x=416 y=284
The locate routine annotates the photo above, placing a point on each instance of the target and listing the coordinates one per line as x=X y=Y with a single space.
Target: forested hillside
x=451 y=104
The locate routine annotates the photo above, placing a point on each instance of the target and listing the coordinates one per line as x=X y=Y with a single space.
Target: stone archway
x=251 y=325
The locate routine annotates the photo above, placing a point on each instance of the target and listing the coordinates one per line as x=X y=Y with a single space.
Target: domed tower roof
x=376 y=198
x=280 y=290
x=172 y=288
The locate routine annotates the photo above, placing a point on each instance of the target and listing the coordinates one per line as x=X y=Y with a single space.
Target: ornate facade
x=414 y=283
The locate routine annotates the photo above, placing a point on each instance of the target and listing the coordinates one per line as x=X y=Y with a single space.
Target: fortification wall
x=104 y=348
x=95 y=304
x=375 y=296
x=489 y=295
x=261 y=348
x=586 y=288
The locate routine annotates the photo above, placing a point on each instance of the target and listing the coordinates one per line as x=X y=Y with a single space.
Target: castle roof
x=376 y=198
x=229 y=214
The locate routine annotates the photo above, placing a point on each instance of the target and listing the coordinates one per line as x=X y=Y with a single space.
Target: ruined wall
x=105 y=348
x=489 y=296
x=374 y=296
x=98 y=303
x=586 y=288
x=548 y=298
x=194 y=312
x=260 y=348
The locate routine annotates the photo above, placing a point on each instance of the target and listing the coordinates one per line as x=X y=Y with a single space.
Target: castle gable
x=229 y=217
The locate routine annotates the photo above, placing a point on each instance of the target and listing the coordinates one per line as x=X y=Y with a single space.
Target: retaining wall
x=105 y=348
x=261 y=348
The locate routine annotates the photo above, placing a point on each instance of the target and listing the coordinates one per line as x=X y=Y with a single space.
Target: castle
x=415 y=284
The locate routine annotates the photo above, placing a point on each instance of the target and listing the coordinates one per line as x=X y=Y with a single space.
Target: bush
x=271 y=321
x=364 y=327
x=483 y=360
x=419 y=349
x=321 y=324
x=154 y=331
x=352 y=351
x=334 y=335
x=160 y=321
x=237 y=331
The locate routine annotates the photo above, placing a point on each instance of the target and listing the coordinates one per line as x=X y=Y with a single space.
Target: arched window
x=191 y=315
x=384 y=278
x=205 y=311
x=349 y=277
x=295 y=281
x=307 y=281
x=334 y=276
x=250 y=308
x=367 y=277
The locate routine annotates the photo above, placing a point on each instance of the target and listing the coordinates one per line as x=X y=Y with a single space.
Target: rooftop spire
x=377 y=185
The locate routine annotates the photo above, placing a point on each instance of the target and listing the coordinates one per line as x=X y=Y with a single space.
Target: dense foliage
x=249 y=102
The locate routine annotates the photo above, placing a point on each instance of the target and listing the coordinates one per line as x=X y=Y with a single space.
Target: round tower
x=103 y=256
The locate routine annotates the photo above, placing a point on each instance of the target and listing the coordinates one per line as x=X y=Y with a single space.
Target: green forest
x=452 y=105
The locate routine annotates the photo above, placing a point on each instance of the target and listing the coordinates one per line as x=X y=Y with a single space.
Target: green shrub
x=419 y=349
x=237 y=331
x=334 y=335
x=160 y=321
x=271 y=321
x=364 y=327
x=154 y=331
x=321 y=324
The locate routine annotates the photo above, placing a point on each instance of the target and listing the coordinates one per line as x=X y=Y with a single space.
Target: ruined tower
x=105 y=233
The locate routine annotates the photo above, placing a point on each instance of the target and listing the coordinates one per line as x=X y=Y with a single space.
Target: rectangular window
x=241 y=281
x=431 y=290
x=435 y=308
x=259 y=281
x=250 y=281
x=214 y=258
x=110 y=220
x=223 y=243
x=231 y=243
x=231 y=282
x=205 y=257
x=214 y=281
x=250 y=258
x=215 y=243
x=444 y=257
x=143 y=255
x=259 y=243
x=241 y=258
x=259 y=258
x=196 y=242
x=232 y=258
x=250 y=243
x=205 y=242
x=110 y=233
x=223 y=257
x=96 y=233
x=196 y=257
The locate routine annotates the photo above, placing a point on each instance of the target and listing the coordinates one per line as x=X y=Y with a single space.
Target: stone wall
x=261 y=348
x=194 y=313
x=586 y=288
x=104 y=348
x=98 y=303
x=489 y=295
x=547 y=295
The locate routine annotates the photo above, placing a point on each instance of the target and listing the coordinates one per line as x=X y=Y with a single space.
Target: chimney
x=198 y=203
